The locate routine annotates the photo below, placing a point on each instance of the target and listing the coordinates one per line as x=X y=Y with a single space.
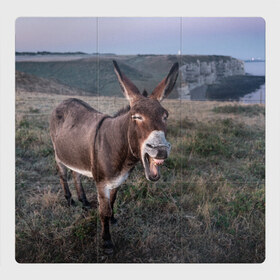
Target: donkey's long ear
x=166 y=85
x=130 y=91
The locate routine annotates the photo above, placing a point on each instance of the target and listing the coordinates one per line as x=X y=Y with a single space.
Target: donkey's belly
x=80 y=171
x=74 y=153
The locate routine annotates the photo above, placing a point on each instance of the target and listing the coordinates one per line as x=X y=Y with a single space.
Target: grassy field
x=208 y=207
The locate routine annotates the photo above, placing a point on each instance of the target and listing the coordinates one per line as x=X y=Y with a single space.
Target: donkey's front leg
x=105 y=211
x=113 y=196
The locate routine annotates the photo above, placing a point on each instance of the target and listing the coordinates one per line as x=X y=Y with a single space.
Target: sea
x=257 y=96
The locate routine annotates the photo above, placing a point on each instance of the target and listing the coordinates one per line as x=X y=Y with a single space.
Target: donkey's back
x=72 y=112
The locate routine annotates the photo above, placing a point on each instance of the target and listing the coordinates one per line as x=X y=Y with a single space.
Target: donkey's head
x=148 y=121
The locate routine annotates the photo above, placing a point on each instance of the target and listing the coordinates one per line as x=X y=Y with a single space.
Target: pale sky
x=237 y=37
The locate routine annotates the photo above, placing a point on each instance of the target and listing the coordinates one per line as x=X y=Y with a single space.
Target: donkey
x=107 y=148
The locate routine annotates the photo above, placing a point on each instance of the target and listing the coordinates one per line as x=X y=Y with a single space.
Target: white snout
x=156 y=139
x=154 y=150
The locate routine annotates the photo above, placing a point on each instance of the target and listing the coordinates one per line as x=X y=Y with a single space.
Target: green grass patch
x=250 y=111
x=34 y=110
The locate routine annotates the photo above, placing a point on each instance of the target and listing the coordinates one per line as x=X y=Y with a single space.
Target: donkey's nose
x=162 y=154
x=166 y=146
x=163 y=150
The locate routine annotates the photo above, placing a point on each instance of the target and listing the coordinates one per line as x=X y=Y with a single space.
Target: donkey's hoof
x=71 y=202
x=114 y=221
x=86 y=205
x=108 y=247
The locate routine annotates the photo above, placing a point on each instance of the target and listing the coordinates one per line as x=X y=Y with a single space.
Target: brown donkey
x=107 y=148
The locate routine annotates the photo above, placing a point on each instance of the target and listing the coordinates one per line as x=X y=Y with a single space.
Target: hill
x=202 y=77
x=30 y=83
x=94 y=74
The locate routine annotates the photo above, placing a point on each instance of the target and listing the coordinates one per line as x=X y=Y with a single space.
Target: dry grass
x=209 y=205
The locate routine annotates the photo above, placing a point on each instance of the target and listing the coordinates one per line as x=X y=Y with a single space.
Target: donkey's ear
x=164 y=88
x=130 y=91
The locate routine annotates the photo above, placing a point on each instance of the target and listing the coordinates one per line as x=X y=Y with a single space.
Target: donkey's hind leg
x=80 y=190
x=62 y=170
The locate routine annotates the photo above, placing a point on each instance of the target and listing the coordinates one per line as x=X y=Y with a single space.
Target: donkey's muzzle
x=162 y=153
x=154 y=151
x=157 y=146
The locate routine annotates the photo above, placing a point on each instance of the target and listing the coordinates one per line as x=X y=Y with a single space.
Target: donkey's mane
x=122 y=111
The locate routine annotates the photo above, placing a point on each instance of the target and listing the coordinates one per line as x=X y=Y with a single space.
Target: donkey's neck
x=112 y=147
x=120 y=127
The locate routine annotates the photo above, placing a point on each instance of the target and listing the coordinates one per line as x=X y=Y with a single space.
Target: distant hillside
x=49 y=53
x=30 y=83
x=200 y=75
x=94 y=74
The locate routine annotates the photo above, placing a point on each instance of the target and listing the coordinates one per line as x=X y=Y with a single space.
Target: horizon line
x=108 y=53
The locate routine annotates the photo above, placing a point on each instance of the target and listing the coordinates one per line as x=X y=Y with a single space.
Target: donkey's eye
x=137 y=117
x=165 y=118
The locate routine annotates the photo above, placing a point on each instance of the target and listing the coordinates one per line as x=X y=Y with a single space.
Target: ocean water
x=258 y=96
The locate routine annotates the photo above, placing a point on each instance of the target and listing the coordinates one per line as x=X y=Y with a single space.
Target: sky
x=238 y=37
